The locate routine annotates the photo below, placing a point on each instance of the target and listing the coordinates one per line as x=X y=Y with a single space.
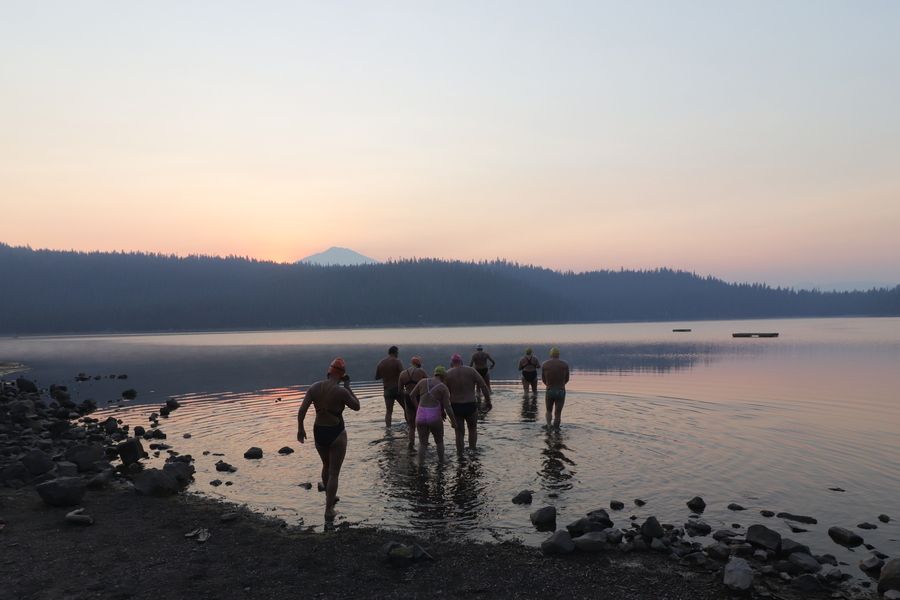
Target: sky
x=754 y=141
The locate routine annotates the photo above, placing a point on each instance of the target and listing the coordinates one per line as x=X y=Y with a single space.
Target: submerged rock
x=798 y=518
x=544 y=519
x=696 y=504
x=845 y=537
x=767 y=513
x=253 y=453
x=639 y=502
x=867 y=526
x=616 y=505
x=285 y=450
x=734 y=506
x=884 y=518
x=224 y=467
x=763 y=537
x=523 y=497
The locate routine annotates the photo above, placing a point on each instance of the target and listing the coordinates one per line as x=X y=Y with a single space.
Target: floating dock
x=681 y=330
x=754 y=335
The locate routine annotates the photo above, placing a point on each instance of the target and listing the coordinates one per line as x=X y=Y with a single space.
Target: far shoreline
x=434 y=326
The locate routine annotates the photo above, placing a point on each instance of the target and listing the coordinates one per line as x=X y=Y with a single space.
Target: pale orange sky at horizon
x=753 y=142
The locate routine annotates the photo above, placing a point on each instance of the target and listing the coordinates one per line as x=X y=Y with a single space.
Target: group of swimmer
x=453 y=394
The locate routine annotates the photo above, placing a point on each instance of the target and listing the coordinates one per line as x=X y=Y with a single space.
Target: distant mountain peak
x=338 y=256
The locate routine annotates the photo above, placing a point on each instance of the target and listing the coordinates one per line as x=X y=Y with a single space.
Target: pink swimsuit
x=428 y=415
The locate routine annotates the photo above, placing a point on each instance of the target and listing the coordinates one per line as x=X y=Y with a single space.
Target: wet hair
x=554 y=352
x=528 y=351
x=393 y=350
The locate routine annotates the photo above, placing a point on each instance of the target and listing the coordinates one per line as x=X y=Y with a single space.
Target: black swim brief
x=324 y=435
x=393 y=393
x=464 y=409
x=530 y=376
x=483 y=373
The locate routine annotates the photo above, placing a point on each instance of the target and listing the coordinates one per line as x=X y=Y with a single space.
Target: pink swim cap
x=456 y=359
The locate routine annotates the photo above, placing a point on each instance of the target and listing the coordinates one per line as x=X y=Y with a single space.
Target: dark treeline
x=44 y=291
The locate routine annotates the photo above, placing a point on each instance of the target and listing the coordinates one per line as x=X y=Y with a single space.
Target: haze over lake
x=651 y=414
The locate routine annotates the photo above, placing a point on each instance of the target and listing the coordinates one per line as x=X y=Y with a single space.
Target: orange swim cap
x=337 y=366
x=416 y=361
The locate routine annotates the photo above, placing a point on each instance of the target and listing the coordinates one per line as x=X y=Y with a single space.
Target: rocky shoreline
x=82 y=517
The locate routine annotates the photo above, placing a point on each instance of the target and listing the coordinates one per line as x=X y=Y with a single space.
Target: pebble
x=78 y=517
x=639 y=502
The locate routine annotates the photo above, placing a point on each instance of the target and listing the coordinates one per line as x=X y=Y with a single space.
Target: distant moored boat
x=681 y=330
x=754 y=335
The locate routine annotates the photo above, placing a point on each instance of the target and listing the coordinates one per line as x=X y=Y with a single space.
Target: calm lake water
x=651 y=414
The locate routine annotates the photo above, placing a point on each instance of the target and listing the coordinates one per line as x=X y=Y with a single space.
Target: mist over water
x=651 y=414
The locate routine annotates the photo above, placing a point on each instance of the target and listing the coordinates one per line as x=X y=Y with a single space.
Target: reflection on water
x=769 y=424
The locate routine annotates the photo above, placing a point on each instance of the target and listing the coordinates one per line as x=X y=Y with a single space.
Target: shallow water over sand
x=651 y=414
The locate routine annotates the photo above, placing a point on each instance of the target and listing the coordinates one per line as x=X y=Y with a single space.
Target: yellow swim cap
x=528 y=351
x=554 y=352
x=440 y=371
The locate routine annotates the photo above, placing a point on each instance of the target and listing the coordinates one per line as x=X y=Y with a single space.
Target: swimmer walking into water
x=555 y=375
x=480 y=362
x=330 y=399
x=462 y=382
x=388 y=371
x=529 y=366
x=407 y=382
x=432 y=399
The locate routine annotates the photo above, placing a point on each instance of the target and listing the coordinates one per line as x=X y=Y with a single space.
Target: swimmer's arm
x=350 y=400
x=479 y=381
x=567 y=374
x=493 y=362
x=301 y=415
x=543 y=375
x=378 y=371
x=448 y=410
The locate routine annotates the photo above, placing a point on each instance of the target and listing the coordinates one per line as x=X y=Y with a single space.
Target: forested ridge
x=49 y=291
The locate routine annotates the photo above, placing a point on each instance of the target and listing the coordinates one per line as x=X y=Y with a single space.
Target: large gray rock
x=85 y=456
x=62 y=491
x=585 y=525
x=697 y=527
x=154 y=482
x=789 y=546
x=600 y=516
x=544 y=519
x=738 y=575
x=845 y=537
x=593 y=541
x=131 y=451
x=37 y=462
x=182 y=472
x=890 y=576
x=26 y=385
x=763 y=537
x=652 y=529
x=805 y=562
x=558 y=543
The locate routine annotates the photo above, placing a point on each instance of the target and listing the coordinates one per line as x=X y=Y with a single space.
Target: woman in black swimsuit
x=330 y=399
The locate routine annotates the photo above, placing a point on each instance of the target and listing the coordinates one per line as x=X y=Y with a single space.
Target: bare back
x=480 y=359
x=388 y=370
x=462 y=381
x=329 y=398
x=430 y=393
x=528 y=363
x=555 y=373
x=410 y=377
